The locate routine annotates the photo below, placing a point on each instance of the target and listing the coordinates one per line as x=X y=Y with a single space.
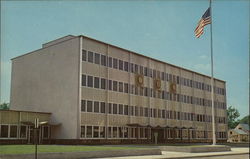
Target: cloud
x=203 y=56
x=204 y=68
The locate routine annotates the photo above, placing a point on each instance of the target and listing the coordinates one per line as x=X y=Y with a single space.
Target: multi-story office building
x=101 y=93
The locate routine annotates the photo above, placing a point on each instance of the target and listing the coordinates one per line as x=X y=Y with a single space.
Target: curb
x=212 y=155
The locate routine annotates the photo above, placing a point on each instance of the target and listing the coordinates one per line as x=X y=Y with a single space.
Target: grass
x=29 y=149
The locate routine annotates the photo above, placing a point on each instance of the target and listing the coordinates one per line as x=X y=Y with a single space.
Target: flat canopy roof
x=24 y=111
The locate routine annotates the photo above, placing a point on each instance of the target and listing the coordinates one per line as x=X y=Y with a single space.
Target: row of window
x=120 y=109
x=88 y=131
x=112 y=85
x=138 y=69
x=19 y=131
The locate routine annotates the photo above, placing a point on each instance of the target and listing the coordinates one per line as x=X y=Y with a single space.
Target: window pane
x=96 y=132
x=97 y=83
x=97 y=58
x=4 y=131
x=83 y=105
x=103 y=83
x=110 y=85
x=90 y=56
x=110 y=62
x=46 y=132
x=102 y=107
x=115 y=63
x=23 y=132
x=120 y=87
x=83 y=80
x=126 y=66
x=120 y=65
x=125 y=109
x=13 y=131
x=114 y=132
x=90 y=81
x=82 y=131
x=110 y=108
x=120 y=109
x=114 y=85
x=96 y=107
x=102 y=132
x=126 y=87
x=89 y=132
x=89 y=106
x=84 y=55
x=103 y=60
x=114 y=108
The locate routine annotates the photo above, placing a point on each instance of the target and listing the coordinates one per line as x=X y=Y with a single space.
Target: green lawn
x=28 y=149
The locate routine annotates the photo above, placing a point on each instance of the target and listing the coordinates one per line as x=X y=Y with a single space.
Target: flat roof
x=151 y=58
x=9 y=110
x=124 y=50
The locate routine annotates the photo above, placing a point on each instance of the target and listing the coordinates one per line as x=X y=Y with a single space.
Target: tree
x=4 y=106
x=245 y=120
x=232 y=115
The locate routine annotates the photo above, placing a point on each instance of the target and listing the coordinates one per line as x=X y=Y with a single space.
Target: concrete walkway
x=173 y=155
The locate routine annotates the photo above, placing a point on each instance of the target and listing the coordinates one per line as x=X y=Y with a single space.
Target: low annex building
x=101 y=93
x=239 y=134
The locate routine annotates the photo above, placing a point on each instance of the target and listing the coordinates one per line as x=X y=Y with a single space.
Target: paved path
x=167 y=154
x=226 y=157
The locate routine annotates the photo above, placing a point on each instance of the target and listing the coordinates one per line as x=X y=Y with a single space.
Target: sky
x=159 y=29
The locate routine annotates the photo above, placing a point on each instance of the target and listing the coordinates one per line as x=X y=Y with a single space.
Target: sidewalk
x=173 y=155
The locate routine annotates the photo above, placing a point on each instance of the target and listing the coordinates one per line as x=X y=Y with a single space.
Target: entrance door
x=31 y=137
x=157 y=134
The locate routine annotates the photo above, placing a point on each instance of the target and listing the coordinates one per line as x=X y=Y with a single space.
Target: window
x=145 y=71
x=136 y=68
x=114 y=85
x=125 y=109
x=89 y=106
x=4 y=131
x=141 y=111
x=146 y=112
x=102 y=132
x=45 y=132
x=89 y=132
x=115 y=63
x=82 y=131
x=131 y=110
x=120 y=65
x=126 y=66
x=96 y=131
x=110 y=62
x=120 y=87
x=103 y=83
x=96 y=107
x=90 y=56
x=83 y=80
x=83 y=105
x=125 y=87
x=23 y=130
x=114 y=108
x=132 y=67
x=84 y=55
x=13 y=131
x=120 y=109
x=110 y=108
x=90 y=81
x=114 y=132
x=102 y=107
x=110 y=85
x=97 y=58
x=103 y=60
x=136 y=111
x=141 y=70
x=96 y=82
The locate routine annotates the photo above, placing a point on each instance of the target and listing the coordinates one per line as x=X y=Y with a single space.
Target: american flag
x=205 y=20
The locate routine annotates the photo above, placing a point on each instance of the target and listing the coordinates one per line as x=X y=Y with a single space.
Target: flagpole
x=212 y=74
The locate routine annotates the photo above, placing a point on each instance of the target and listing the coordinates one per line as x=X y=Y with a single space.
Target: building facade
x=239 y=134
x=101 y=93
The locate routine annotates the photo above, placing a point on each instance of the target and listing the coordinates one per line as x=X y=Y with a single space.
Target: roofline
x=121 y=49
x=8 y=110
x=151 y=58
x=46 y=47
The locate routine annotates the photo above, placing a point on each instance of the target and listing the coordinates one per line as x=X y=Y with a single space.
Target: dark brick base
x=106 y=141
